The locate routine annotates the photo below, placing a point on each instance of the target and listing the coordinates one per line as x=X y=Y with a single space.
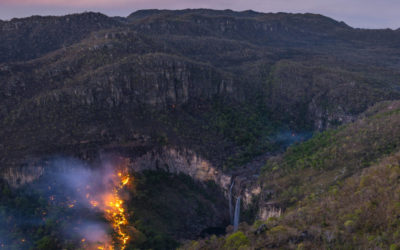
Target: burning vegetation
x=77 y=206
x=110 y=203
x=113 y=208
x=73 y=206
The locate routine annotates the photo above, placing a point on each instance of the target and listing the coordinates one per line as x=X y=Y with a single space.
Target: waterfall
x=230 y=202
x=237 y=215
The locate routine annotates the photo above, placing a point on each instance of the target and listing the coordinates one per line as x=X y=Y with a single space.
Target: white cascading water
x=237 y=215
x=230 y=202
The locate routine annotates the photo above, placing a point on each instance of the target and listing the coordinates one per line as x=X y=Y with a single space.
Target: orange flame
x=94 y=203
x=113 y=207
x=115 y=212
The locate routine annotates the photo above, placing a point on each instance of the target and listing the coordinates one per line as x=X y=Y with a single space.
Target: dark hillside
x=339 y=189
x=302 y=70
x=214 y=96
x=27 y=38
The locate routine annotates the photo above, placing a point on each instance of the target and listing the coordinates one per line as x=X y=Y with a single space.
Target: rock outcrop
x=29 y=38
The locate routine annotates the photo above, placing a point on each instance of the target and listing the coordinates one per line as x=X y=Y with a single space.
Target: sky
x=356 y=13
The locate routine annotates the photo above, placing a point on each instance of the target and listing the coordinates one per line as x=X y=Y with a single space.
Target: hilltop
x=300 y=71
x=211 y=94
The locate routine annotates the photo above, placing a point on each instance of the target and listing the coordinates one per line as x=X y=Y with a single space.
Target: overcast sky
x=357 y=13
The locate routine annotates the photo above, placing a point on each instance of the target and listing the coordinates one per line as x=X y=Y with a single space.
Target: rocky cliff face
x=168 y=159
x=189 y=163
x=182 y=161
x=28 y=38
x=22 y=175
x=243 y=181
x=319 y=96
x=253 y=26
x=203 y=85
x=155 y=81
x=163 y=59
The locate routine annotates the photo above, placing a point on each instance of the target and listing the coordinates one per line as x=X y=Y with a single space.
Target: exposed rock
x=181 y=161
x=169 y=159
x=18 y=176
x=34 y=36
x=268 y=210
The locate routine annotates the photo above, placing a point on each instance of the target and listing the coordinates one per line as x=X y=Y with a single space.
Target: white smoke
x=85 y=185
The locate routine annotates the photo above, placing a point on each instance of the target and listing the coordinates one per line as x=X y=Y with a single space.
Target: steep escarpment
x=360 y=212
x=137 y=84
x=178 y=194
x=109 y=66
x=155 y=81
x=219 y=83
x=337 y=189
x=163 y=208
x=203 y=97
x=28 y=38
x=250 y=26
x=321 y=96
x=226 y=49
x=334 y=155
x=146 y=156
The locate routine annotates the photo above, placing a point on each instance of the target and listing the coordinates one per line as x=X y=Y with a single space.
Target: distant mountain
x=214 y=89
x=306 y=71
x=28 y=38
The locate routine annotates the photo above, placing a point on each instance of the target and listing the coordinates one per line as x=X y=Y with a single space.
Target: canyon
x=207 y=109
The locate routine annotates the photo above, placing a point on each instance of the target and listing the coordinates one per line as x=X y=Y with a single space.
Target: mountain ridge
x=218 y=47
x=98 y=19
x=215 y=93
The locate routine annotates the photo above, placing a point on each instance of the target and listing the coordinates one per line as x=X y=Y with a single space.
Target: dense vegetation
x=339 y=189
x=113 y=75
x=167 y=207
x=32 y=219
x=41 y=215
x=225 y=85
x=360 y=212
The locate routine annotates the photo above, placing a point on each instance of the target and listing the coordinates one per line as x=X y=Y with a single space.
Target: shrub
x=349 y=225
x=46 y=243
x=394 y=247
x=236 y=241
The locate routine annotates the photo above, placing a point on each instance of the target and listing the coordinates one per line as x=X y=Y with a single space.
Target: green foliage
x=234 y=132
x=34 y=221
x=277 y=230
x=247 y=125
x=394 y=247
x=349 y=225
x=236 y=240
x=312 y=152
x=162 y=204
x=340 y=189
x=46 y=243
x=358 y=144
x=222 y=99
